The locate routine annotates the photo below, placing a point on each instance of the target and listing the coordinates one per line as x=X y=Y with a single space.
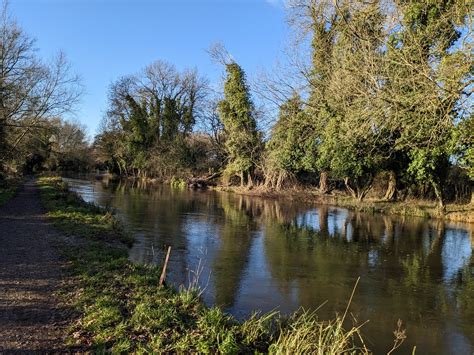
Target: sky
x=106 y=39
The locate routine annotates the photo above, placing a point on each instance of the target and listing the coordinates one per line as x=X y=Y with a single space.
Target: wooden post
x=165 y=265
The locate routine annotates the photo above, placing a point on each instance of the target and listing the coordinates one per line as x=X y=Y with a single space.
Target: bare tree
x=31 y=90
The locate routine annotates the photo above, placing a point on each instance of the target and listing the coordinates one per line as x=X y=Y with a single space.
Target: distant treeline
x=374 y=98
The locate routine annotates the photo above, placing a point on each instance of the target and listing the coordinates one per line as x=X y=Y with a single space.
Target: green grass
x=76 y=217
x=122 y=309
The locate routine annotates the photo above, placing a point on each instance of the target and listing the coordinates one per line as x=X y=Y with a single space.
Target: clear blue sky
x=104 y=39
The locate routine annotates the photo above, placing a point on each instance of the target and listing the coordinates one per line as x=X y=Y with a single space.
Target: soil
x=32 y=318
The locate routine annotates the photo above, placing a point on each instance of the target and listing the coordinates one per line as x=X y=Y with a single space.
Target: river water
x=249 y=253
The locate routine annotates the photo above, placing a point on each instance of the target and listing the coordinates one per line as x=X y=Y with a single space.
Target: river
x=250 y=253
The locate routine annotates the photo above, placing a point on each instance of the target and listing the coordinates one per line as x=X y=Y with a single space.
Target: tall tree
x=319 y=19
x=351 y=144
x=237 y=111
x=429 y=73
x=324 y=25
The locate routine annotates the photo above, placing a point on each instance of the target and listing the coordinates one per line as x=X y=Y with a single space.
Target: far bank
x=425 y=208
x=409 y=207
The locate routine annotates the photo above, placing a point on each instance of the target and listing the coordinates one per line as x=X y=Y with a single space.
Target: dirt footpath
x=31 y=318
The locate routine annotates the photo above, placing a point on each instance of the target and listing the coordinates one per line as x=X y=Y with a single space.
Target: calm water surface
x=255 y=253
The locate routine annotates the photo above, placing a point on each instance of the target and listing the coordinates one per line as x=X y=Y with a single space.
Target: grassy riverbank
x=122 y=308
x=416 y=208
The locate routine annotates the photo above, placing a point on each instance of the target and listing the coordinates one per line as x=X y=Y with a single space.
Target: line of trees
x=383 y=89
x=376 y=95
x=34 y=94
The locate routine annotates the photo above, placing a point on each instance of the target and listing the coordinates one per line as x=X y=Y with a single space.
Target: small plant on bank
x=178 y=183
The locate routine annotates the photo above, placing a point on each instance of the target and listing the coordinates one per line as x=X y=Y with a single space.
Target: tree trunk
x=249 y=180
x=361 y=187
x=390 y=194
x=279 y=181
x=323 y=182
x=3 y=145
x=349 y=188
x=241 y=179
x=268 y=181
x=439 y=196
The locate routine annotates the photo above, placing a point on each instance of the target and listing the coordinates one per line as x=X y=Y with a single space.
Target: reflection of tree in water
x=400 y=261
x=234 y=246
x=242 y=217
x=159 y=212
x=312 y=263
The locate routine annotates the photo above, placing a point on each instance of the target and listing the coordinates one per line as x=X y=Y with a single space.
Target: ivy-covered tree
x=428 y=73
x=237 y=112
x=291 y=148
x=324 y=21
x=351 y=145
x=153 y=112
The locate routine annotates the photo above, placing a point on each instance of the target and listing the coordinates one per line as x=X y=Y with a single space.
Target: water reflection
x=267 y=254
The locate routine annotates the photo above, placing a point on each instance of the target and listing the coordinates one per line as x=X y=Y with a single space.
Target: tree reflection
x=400 y=261
x=234 y=245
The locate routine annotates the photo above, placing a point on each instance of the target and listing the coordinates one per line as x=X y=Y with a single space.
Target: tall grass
x=306 y=334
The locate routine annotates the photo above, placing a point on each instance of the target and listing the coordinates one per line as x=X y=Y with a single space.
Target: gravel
x=32 y=319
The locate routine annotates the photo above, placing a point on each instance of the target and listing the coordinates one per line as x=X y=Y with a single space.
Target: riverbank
x=123 y=309
x=311 y=196
x=415 y=208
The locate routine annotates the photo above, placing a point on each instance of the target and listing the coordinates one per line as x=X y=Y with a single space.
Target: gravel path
x=31 y=318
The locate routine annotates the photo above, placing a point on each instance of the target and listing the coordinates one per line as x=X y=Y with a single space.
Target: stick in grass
x=163 y=273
